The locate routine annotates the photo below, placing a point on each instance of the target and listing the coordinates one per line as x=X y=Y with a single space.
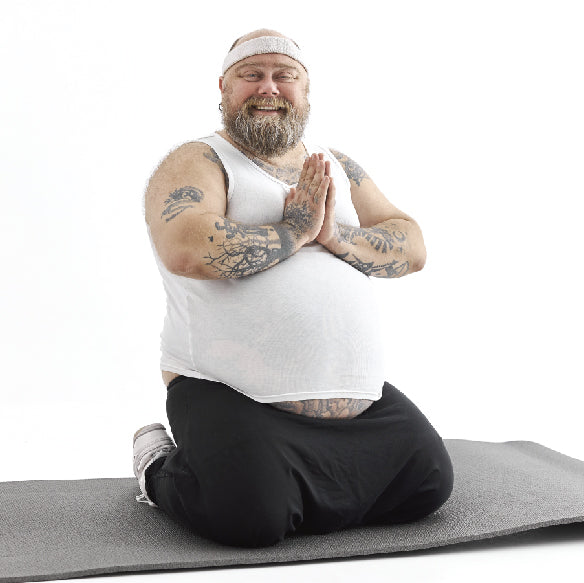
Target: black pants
x=247 y=474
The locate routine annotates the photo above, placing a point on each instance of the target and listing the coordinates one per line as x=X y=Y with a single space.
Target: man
x=271 y=350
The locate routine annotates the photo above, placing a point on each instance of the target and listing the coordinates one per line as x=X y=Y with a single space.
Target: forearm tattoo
x=379 y=238
x=325 y=408
x=246 y=249
x=383 y=240
x=392 y=269
x=353 y=171
x=180 y=200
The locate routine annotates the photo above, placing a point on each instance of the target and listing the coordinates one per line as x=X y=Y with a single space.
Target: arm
x=388 y=243
x=185 y=209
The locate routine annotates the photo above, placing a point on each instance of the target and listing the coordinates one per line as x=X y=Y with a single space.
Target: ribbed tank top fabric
x=306 y=328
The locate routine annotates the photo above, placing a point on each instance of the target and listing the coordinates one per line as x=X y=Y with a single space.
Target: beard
x=266 y=135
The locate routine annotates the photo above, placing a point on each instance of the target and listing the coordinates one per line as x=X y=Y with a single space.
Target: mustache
x=279 y=102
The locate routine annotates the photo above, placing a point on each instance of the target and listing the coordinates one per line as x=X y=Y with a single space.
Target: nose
x=268 y=87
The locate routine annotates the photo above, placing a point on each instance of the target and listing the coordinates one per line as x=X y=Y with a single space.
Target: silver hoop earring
x=220 y=107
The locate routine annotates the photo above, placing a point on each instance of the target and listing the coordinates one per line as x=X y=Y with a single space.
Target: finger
x=331 y=195
x=318 y=178
x=332 y=185
x=320 y=170
x=311 y=169
x=320 y=194
x=304 y=169
x=327 y=168
x=320 y=167
x=312 y=175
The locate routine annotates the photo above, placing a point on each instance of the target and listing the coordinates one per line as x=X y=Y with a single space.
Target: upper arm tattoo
x=180 y=200
x=353 y=171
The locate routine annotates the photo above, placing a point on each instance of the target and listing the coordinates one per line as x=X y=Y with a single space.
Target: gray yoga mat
x=63 y=529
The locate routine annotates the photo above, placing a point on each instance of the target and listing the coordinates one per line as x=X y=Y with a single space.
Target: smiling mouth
x=267 y=108
x=274 y=107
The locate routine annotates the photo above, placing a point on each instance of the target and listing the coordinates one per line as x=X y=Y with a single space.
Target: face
x=265 y=105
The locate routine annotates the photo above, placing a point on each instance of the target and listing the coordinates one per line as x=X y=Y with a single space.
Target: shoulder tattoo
x=212 y=156
x=353 y=171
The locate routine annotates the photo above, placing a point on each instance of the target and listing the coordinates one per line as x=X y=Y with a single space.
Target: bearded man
x=271 y=348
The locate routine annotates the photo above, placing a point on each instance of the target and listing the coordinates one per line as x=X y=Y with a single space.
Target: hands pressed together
x=309 y=208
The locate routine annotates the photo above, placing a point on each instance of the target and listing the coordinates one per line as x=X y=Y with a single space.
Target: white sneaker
x=150 y=443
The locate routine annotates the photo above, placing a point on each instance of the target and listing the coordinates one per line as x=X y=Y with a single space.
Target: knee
x=441 y=477
x=250 y=518
x=435 y=487
x=246 y=500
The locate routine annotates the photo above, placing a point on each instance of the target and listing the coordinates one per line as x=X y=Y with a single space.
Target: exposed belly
x=321 y=408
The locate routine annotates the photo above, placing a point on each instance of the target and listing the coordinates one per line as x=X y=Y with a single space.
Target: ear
x=221 y=84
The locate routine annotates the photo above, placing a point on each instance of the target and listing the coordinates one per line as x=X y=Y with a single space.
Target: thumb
x=331 y=194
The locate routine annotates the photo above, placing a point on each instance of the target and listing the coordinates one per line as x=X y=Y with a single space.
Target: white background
x=467 y=114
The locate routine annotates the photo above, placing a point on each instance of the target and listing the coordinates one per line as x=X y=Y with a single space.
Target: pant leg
x=248 y=474
x=420 y=480
x=387 y=465
x=225 y=480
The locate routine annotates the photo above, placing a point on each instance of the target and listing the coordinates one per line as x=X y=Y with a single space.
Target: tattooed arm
x=380 y=251
x=186 y=206
x=387 y=243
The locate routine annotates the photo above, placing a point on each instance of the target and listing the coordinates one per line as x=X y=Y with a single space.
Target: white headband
x=261 y=46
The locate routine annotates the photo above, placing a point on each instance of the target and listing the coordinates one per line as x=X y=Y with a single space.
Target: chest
x=288 y=173
x=257 y=191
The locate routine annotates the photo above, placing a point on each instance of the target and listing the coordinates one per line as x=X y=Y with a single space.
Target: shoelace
x=148 y=454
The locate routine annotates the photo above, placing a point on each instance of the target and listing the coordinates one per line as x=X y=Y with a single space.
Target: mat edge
x=228 y=563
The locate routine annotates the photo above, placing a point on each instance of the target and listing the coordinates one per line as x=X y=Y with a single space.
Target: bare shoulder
x=192 y=170
x=354 y=172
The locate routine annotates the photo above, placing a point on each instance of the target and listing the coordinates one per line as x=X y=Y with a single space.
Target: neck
x=292 y=154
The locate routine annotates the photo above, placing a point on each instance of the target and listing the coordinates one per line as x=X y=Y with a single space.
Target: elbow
x=421 y=262
x=418 y=258
x=418 y=251
x=182 y=262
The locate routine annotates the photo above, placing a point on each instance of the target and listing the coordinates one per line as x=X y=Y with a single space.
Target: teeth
x=267 y=108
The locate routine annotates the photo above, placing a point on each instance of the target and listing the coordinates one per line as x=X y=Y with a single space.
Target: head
x=264 y=95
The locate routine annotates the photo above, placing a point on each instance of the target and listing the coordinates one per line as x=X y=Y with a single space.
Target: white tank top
x=306 y=328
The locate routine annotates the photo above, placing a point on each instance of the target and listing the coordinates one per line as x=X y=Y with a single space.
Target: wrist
x=292 y=234
x=333 y=241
